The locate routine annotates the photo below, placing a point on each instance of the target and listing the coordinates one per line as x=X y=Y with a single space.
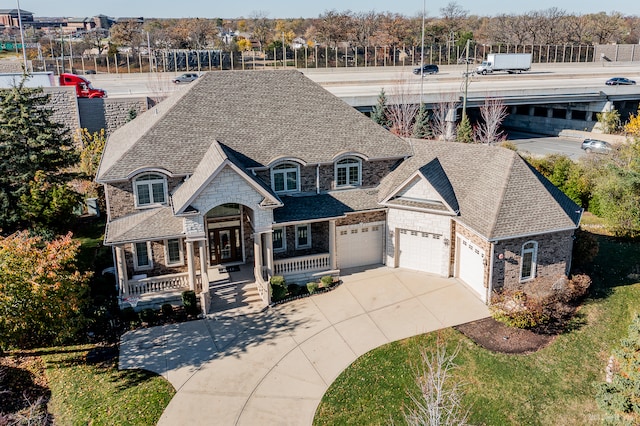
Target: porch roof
x=326 y=205
x=152 y=224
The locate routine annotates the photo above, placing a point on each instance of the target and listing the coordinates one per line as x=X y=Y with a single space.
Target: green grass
x=98 y=393
x=551 y=386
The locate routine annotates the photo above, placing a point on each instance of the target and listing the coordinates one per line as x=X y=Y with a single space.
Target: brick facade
x=121 y=197
x=552 y=260
x=365 y=217
x=319 y=241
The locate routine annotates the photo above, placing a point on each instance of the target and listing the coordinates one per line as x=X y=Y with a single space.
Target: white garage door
x=421 y=251
x=471 y=265
x=360 y=245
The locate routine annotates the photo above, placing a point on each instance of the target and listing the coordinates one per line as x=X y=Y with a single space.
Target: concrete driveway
x=273 y=367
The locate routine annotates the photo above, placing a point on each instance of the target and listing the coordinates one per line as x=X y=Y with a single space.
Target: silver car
x=185 y=78
x=597 y=146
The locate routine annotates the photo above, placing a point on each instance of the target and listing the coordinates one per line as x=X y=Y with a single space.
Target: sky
x=297 y=9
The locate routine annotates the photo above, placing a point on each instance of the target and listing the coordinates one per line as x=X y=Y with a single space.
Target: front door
x=225 y=245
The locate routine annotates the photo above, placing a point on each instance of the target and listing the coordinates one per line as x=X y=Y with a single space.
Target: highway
x=346 y=83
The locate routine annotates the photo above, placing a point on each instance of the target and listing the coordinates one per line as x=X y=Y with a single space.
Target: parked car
x=619 y=81
x=594 y=145
x=426 y=69
x=90 y=72
x=185 y=78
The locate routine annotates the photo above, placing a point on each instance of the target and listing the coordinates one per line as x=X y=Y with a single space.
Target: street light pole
x=424 y=2
x=24 y=52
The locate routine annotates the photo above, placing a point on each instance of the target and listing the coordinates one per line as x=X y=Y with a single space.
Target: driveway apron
x=273 y=367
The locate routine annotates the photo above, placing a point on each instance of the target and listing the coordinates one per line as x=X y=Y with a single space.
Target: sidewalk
x=274 y=367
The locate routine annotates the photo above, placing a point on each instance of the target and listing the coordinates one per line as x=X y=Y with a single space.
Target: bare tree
x=402 y=108
x=440 y=400
x=441 y=120
x=493 y=113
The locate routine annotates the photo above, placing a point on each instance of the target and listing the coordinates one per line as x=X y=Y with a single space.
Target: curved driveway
x=273 y=367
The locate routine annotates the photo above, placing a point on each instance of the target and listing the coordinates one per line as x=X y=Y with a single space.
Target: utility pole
x=466 y=82
x=24 y=52
x=422 y=55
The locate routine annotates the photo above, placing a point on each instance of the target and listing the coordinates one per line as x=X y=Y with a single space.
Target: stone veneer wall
x=109 y=114
x=477 y=241
x=319 y=241
x=553 y=258
x=121 y=197
x=64 y=105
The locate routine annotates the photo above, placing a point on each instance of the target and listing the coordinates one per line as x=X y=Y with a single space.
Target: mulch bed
x=497 y=337
x=25 y=390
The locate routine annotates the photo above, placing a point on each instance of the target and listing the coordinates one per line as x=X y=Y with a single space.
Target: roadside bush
x=326 y=281
x=312 y=287
x=149 y=316
x=278 y=288
x=190 y=302
x=509 y=145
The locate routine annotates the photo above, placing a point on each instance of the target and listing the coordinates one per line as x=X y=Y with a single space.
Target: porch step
x=234 y=296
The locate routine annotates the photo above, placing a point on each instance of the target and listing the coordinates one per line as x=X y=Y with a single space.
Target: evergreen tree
x=421 y=126
x=29 y=142
x=379 y=113
x=464 y=132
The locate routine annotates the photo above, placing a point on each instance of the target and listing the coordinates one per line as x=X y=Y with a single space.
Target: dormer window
x=285 y=177
x=150 y=188
x=348 y=172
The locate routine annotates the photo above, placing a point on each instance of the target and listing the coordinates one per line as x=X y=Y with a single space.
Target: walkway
x=273 y=367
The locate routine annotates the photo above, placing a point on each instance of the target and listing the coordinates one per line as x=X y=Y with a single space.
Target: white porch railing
x=262 y=282
x=160 y=284
x=302 y=264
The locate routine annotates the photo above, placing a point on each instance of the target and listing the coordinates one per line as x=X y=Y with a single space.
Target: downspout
x=318 y=178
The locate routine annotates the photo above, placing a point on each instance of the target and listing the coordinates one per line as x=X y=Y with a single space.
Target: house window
x=150 y=188
x=173 y=252
x=279 y=239
x=284 y=177
x=348 y=172
x=528 y=262
x=142 y=256
x=303 y=236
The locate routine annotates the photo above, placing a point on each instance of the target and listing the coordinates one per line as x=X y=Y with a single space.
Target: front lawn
x=87 y=388
x=551 y=386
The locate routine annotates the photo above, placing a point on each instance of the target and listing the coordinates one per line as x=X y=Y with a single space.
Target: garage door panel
x=471 y=265
x=421 y=251
x=360 y=245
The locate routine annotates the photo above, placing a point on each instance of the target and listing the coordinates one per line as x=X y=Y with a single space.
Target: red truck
x=82 y=85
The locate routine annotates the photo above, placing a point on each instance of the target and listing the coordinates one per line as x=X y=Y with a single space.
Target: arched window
x=150 y=188
x=285 y=177
x=528 y=260
x=348 y=172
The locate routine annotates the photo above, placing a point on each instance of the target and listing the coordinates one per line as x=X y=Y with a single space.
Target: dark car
x=619 y=81
x=185 y=78
x=90 y=72
x=594 y=145
x=426 y=69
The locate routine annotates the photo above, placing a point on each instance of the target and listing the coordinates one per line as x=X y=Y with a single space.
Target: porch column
x=332 y=244
x=121 y=271
x=191 y=266
x=257 y=252
x=268 y=242
x=203 y=265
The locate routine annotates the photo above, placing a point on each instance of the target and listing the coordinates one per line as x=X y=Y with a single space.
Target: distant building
x=9 y=17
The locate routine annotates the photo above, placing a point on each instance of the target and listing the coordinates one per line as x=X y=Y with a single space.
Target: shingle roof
x=145 y=225
x=262 y=115
x=498 y=193
x=327 y=205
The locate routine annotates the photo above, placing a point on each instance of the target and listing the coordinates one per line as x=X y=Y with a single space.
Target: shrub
x=312 y=287
x=515 y=309
x=278 y=288
x=326 y=281
x=129 y=316
x=585 y=249
x=167 y=310
x=149 y=316
x=190 y=302
x=509 y=145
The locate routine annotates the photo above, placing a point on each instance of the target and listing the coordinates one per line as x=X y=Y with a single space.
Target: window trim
x=284 y=239
x=138 y=267
x=281 y=169
x=180 y=251
x=347 y=166
x=159 y=178
x=534 y=258
x=308 y=245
